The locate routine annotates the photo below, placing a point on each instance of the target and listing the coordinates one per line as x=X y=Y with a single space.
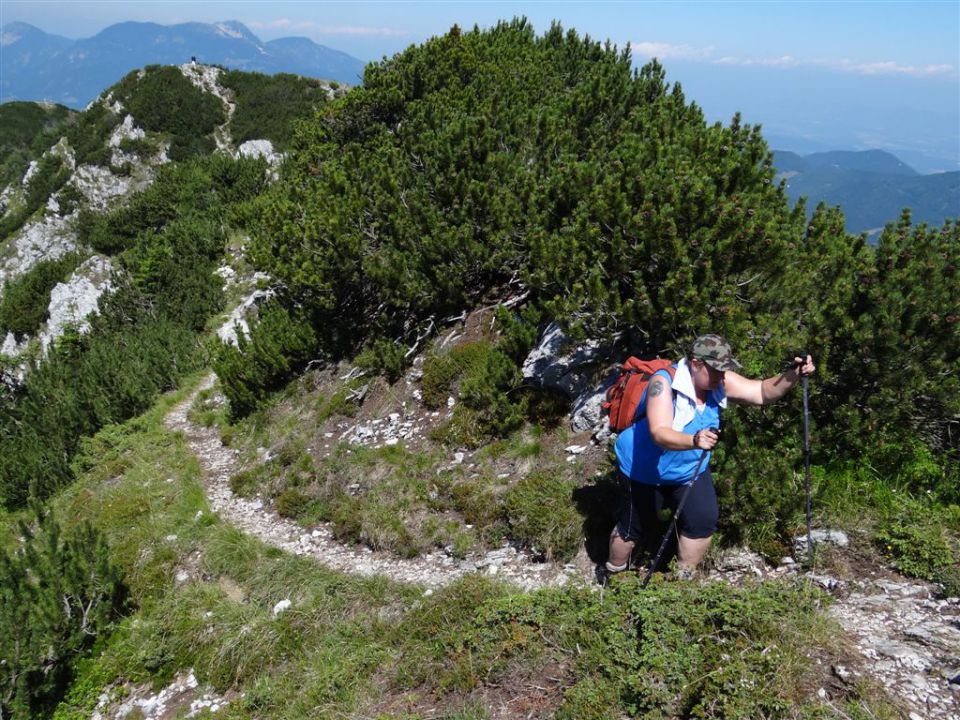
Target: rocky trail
x=909 y=638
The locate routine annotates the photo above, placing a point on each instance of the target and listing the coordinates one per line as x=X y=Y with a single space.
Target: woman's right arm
x=660 y=420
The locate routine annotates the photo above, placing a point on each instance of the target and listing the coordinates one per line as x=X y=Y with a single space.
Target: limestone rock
x=557 y=363
x=100 y=186
x=238 y=321
x=73 y=301
x=820 y=536
x=260 y=149
x=125 y=131
x=48 y=238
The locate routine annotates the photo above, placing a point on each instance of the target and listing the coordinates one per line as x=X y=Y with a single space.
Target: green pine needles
x=59 y=591
x=486 y=165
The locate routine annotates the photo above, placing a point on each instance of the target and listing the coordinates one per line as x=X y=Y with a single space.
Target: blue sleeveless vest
x=643 y=461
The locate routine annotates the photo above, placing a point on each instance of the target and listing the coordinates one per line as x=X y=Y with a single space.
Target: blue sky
x=816 y=75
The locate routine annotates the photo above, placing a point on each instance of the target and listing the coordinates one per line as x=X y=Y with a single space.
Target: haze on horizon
x=816 y=75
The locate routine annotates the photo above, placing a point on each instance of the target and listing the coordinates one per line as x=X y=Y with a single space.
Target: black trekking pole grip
x=676 y=514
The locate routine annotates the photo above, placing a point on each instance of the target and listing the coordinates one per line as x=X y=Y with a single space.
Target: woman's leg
x=624 y=534
x=697 y=522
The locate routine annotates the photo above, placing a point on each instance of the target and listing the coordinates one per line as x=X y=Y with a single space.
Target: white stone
x=125 y=131
x=260 y=149
x=100 y=186
x=10 y=347
x=824 y=536
x=31 y=171
x=237 y=321
x=48 y=238
x=73 y=301
x=226 y=272
x=282 y=606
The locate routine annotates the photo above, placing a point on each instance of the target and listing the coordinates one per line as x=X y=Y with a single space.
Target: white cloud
x=889 y=68
x=782 y=61
x=319 y=29
x=842 y=65
x=665 y=51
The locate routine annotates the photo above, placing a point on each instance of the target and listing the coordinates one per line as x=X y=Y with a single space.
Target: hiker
x=658 y=454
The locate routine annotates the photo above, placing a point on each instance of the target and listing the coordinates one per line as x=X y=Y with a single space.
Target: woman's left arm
x=763 y=392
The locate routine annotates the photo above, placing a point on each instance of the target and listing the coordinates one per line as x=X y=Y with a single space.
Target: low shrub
x=163 y=100
x=59 y=592
x=23 y=123
x=291 y=503
x=442 y=369
x=918 y=545
x=476 y=502
x=339 y=404
x=89 y=133
x=50 y=175
x=268 y=106
x=385 y=358
x=541 y=513
x=280 y=343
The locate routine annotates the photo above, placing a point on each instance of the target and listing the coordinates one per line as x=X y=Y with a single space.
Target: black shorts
x=642 y=508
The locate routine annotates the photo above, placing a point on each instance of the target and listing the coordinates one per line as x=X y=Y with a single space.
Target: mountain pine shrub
x=50 y=175
x=60 y=591
x=269 y=106
x=24 y=123
x=25 y=299
x=165 y=101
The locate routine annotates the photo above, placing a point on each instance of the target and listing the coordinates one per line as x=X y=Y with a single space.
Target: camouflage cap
x=715 y=352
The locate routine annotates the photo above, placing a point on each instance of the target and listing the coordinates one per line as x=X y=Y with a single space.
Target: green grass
x=357 y=648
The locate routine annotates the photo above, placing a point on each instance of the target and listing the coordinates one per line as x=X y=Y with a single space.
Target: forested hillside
x=391 y=277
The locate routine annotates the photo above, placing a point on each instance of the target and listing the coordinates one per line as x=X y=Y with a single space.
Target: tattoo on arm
x=656 y=388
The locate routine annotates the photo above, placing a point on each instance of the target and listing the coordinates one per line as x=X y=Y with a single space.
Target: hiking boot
x=604 y=571
x=601 y=575
x=682 y=573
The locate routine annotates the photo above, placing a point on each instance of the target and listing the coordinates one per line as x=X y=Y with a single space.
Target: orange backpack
x=624 y=396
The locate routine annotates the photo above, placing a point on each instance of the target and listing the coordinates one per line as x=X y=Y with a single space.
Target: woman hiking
x=658 y=455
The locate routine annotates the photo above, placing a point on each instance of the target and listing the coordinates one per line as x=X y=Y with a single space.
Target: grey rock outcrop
x=557 y=363
x=48 y=238
x=260 y=149
x=100 y=186
x=239 y=319
x=72 y=302
x=124 y=131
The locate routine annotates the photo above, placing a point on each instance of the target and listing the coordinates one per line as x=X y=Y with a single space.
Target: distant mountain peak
x=236 y=30
x=15 y=31
x=41 y=66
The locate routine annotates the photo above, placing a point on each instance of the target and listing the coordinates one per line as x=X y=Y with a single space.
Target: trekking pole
x=676 y=514
x=806 y=462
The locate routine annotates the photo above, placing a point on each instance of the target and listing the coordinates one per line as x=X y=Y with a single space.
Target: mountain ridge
x=39 y=66
x=871 y=186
